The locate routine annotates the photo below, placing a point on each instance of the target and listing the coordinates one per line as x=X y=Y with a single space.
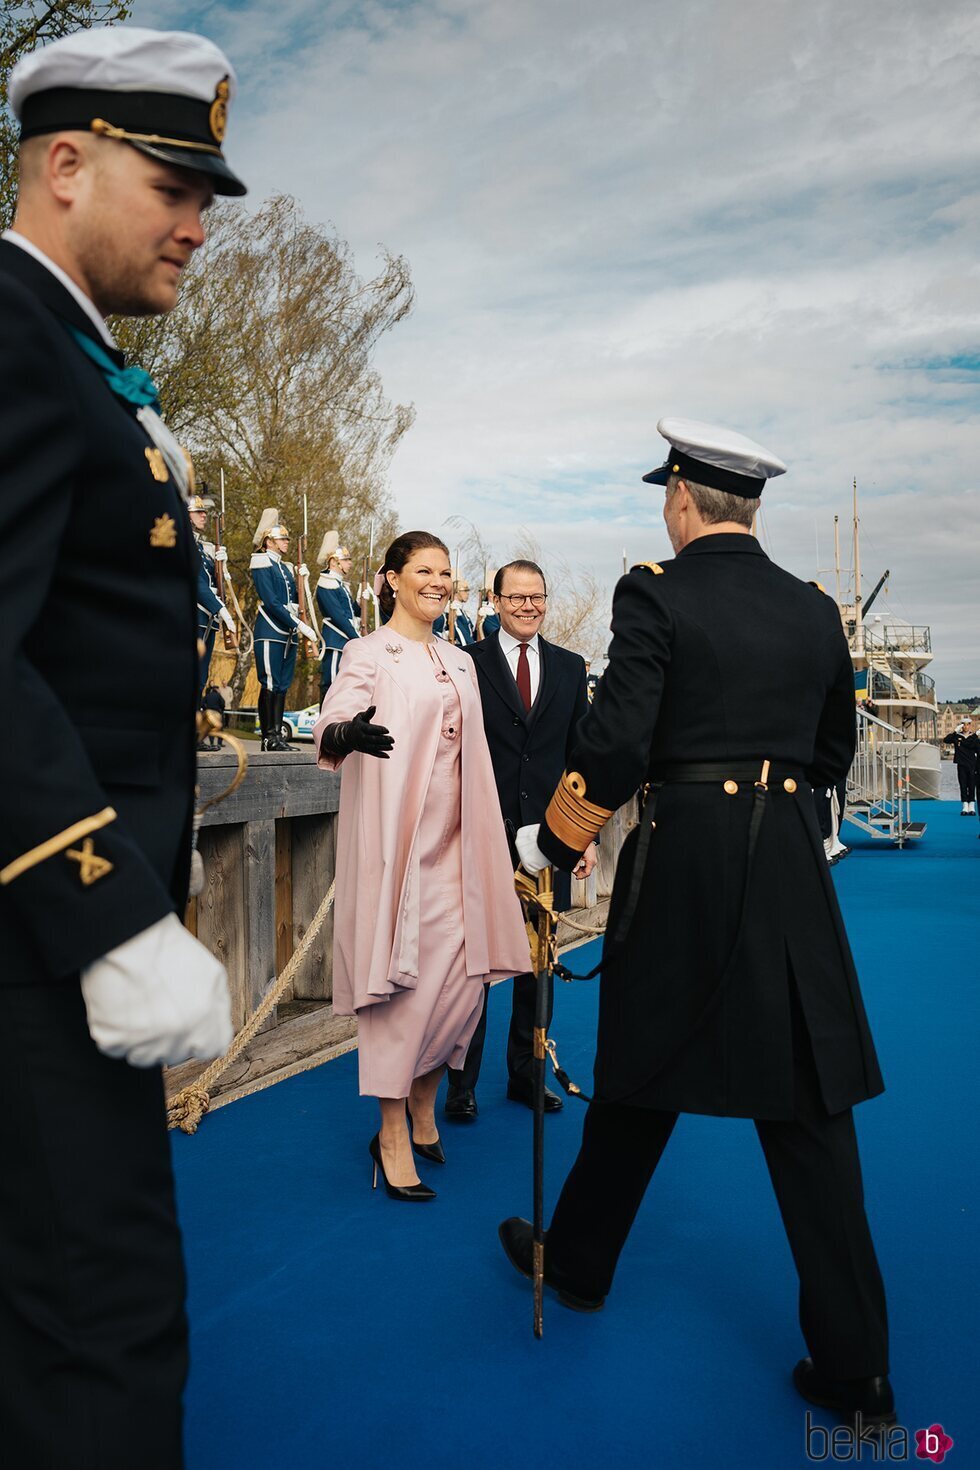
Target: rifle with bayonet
x=303 y=594
x=367 y=590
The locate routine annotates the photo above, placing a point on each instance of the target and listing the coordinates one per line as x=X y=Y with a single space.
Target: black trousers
x=93 y=1337
x=520 y=1037
x=816 y=1174
x=967 y=777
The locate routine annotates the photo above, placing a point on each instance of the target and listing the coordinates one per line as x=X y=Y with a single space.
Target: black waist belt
x=706 y=773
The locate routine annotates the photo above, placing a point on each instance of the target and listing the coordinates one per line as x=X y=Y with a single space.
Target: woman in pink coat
x=425 y=910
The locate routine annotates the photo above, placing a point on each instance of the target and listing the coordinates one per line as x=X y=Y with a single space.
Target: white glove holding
x=227 y=619
x=366 y=594
x=308 y=632
x=159 y=998
x=221 y=554
x=487 y=610
x=530 y=854
x=304 y=570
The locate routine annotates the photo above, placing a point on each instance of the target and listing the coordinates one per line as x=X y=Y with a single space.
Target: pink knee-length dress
x=425 y=907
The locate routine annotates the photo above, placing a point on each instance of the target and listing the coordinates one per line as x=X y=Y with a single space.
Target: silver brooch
x=395 y=649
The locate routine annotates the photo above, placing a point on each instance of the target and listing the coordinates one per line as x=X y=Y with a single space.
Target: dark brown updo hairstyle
x=399 y=552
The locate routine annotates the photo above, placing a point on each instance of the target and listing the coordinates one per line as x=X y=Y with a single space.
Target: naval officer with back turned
x=728 y=986
x=120 y=152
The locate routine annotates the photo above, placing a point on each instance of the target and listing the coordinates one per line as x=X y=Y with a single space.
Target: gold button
x=789 y=785
x=731 y=787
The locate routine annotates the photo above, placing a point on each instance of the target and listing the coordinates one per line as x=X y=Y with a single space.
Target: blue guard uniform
x=465 y=633
x=210 y=608
x=339 y=612
x=277 y=627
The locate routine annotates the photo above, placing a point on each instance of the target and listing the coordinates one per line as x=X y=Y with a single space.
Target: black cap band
x=72 y=109
x=746 y=486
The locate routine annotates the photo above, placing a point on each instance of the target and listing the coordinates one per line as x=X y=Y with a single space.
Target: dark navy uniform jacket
x=338 y=610
x=720 y=656
x=275 y=583
x=98 y=766
x=465 y=634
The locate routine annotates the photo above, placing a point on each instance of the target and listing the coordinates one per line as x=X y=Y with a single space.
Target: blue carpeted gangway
x=332 y=1327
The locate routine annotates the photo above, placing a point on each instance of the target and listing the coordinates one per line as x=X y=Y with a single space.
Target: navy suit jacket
x=529 y=750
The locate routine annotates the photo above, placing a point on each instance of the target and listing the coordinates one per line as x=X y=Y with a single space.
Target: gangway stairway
x=878 y=789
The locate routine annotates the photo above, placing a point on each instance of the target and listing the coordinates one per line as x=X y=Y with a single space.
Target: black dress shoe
x=519 y=1090
x=517 y=1239
x=460 y=1105
x=871 y=1398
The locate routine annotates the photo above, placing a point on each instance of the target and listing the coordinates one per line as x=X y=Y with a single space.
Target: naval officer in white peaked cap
x=120 y=154
x=728 y=987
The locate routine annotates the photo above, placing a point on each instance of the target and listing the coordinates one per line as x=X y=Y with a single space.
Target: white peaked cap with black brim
x=719 y=458
x=166 y=93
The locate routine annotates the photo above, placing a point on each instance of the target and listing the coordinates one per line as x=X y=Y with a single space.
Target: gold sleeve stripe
x=572 y=819
x=55 y=845
x=651 y=566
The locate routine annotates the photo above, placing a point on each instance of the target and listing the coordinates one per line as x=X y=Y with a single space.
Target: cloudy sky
x=762 y=213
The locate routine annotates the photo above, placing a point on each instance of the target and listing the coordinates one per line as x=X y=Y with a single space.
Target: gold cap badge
x=218 y=116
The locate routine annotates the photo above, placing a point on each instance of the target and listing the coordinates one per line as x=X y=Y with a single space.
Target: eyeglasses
x=518 y=599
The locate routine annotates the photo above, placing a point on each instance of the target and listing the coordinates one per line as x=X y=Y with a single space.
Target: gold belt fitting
x=763 y=782
x=540 y=1044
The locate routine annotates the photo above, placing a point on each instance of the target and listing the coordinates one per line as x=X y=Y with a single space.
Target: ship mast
x=837 y=555
x=858 y=615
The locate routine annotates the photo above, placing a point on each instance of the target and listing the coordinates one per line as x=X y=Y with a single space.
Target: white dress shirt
x=88 y=306
x=510 y=647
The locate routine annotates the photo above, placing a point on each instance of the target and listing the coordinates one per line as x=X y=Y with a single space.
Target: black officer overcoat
x=98 y=660
x=721 y=655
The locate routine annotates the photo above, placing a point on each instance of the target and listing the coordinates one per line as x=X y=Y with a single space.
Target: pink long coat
x=380 y=900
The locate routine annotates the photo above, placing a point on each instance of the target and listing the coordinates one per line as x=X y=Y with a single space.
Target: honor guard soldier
x=487 y=617
x=210 y=609
x=339 y=611
x=728 y=986
x=278 y=625
x=463 y=631
x=120 y=154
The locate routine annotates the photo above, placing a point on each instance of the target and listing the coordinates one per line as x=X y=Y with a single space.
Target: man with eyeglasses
x=534 y=695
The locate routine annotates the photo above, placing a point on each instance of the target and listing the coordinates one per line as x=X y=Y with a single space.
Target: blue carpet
x=333 y=1327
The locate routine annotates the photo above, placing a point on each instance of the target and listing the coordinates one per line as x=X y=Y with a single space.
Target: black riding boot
x=266 y=718
x=278 y=710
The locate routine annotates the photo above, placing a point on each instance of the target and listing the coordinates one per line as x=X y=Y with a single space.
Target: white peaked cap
x=720 y=458
x=123 y=59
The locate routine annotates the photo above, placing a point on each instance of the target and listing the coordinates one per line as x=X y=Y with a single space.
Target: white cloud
x=764 y=214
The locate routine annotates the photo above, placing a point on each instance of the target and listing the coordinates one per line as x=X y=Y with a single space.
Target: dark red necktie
x=524 y=676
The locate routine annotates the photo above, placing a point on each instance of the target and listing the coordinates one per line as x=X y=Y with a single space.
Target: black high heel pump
x=431 y=1151
x=395 y=1191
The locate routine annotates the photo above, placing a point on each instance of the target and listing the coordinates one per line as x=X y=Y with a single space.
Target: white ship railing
x=879 y=791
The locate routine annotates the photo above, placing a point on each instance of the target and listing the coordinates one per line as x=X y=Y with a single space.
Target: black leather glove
x=357 y=734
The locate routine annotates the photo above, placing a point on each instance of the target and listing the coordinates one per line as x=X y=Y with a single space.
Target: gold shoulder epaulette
x=650 y=566
x=571 y=818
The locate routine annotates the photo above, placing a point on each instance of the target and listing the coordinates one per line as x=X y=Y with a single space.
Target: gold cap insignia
x=218 y=116
x=164 y=532
x=158 y=466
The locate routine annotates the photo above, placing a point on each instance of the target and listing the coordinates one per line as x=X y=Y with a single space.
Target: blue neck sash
x=131 y=384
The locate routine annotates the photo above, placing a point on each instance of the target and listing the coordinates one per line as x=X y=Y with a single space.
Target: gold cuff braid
x=572 y=819
x=57 y=844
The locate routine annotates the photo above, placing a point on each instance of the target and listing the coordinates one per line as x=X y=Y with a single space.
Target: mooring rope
x=187 y=1107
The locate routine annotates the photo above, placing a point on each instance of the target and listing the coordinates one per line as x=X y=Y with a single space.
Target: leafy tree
x=25 y=25
x=265 y=371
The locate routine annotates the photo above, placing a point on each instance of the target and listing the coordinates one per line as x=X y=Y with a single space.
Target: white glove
x=304 y=570
x=159 y=998
x=227 y=619
x=530 y=854
x=221 y=554
x=308 y=632
x=366 y=594
x=486 y=610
